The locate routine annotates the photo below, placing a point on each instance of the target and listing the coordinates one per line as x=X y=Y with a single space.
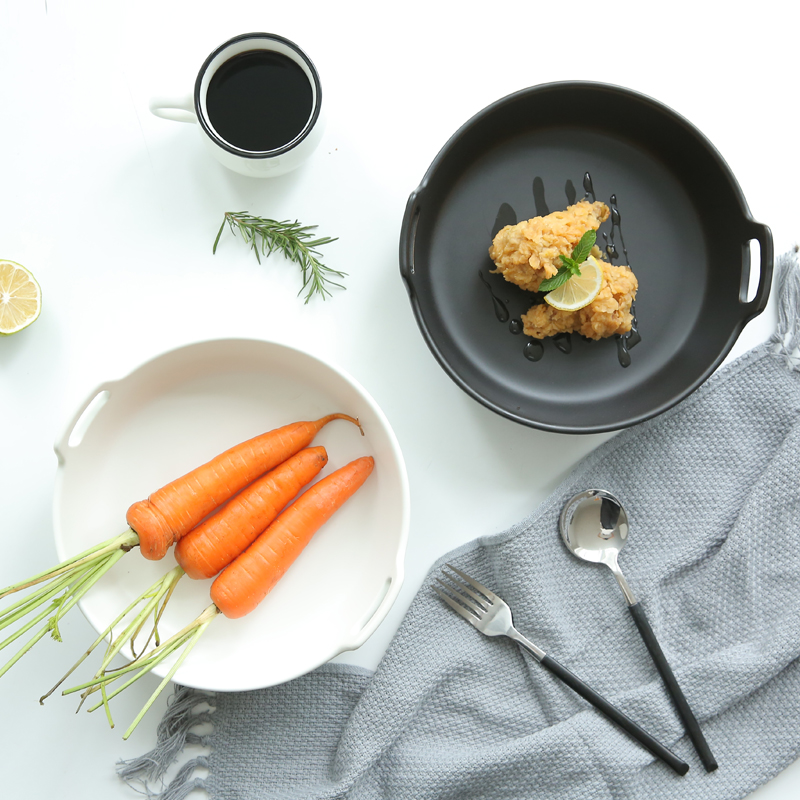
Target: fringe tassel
x=787 y=332
x=183 y=783
x=173 y=733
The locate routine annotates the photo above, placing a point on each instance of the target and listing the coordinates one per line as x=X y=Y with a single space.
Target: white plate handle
x=79 y=424
x=383 y=601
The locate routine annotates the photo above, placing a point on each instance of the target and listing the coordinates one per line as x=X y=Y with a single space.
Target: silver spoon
x=594 y=527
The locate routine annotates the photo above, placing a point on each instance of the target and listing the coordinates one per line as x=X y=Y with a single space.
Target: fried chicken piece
x=607 y=314
x=527 y=253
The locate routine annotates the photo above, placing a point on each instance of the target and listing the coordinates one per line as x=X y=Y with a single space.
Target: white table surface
x=115 y=212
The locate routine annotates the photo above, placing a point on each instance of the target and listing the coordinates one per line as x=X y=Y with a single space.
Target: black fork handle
x=681 y=703
x=614 y=714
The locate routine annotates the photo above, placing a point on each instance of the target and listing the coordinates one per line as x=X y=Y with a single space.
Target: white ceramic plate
x=177 y=411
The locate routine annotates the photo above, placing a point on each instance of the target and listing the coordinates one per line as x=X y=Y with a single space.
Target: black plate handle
x=408 y=235
x=763 y=235
x=684 y=711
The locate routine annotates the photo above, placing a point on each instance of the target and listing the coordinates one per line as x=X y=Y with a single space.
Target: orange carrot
x=155 y=525
x=176 y=508
x=216 y=541
x=241 y=586
x=209 y=547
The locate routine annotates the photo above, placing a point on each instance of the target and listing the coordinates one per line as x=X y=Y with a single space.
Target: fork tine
x=468 y=615
x=488 y=593
x=459 y=588
x=455 y=593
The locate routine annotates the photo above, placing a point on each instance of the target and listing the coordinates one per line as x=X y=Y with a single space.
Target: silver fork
x=491 y=615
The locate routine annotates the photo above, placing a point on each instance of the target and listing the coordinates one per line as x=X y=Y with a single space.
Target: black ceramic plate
x=682 y=219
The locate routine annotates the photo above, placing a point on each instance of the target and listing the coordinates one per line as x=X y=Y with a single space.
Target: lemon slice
x=20 y=298
x=579 y=290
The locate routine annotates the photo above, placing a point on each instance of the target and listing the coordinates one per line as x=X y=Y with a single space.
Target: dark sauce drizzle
x=539 y=199
x=616 y=230
x=500 y=308
x=588 y=187
x=623 y=353
x=630 y=339
x=533 y=350
x=505 y=216
x=563 y=342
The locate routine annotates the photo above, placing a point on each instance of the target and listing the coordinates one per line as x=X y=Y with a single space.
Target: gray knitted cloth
x=712 y=491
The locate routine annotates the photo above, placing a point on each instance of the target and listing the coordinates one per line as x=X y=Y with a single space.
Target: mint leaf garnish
x=571 y=265
x=559 y=279
x=584 y=246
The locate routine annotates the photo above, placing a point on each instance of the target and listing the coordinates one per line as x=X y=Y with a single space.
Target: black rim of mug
x=206 y=125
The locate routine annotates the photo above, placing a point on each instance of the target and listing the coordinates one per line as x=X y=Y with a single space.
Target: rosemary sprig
x=290 y=238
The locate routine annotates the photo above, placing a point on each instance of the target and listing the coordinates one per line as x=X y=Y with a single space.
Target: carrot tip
x=354 y=420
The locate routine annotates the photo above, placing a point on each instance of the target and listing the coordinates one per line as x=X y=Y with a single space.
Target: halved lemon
x=20 y=298
x=579 y=290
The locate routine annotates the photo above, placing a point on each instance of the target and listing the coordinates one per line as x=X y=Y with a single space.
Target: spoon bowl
x=593 y=523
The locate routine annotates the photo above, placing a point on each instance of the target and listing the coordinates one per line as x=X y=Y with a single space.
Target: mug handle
x=177 y=109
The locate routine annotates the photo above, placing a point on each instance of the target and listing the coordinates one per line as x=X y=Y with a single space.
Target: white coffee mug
x=279 y=123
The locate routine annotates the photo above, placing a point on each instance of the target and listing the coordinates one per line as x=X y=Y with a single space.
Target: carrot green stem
x=74 y=584
x=79 y=589
x=23 y=630
x=160 y=613
x=168 y=677
x=108 y=631
x=143 y=666
x=96 y=681
x=29 y=602
x=161 y=588
x=106 y=706
x=153 y=657
x=39 y=634
x=56 y=606
x=186 y=638
x=157 y=591
x=169 y=586
x=125 y=541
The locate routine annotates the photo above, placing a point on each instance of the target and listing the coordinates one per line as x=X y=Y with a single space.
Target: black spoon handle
x=681 y=704
x=613 y=713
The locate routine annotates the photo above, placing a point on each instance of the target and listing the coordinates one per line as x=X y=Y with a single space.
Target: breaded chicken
x=607 y=314
x=527 y=253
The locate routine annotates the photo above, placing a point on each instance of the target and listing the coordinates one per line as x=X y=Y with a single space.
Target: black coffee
x=259 y=100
